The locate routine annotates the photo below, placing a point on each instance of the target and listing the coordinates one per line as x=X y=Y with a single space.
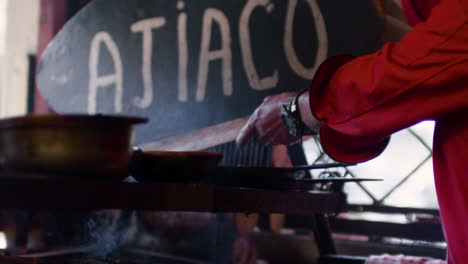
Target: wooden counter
x=61 y=194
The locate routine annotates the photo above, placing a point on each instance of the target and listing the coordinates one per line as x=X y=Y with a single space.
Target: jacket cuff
x=322 y=77
x=349 y=149
x=340 y=147
x=412 y=15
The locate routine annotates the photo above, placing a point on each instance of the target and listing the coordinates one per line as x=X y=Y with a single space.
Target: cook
x=357 y=103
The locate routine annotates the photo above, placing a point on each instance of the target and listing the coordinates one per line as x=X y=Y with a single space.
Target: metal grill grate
x=253 y=155
x=374 y=195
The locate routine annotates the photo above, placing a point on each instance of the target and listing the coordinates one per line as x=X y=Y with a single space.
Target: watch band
x=292 y=117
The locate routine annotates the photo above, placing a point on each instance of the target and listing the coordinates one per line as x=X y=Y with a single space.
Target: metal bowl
x=79 y=145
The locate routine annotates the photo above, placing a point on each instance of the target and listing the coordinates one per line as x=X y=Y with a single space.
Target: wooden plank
x=200 y=139
x=390 y=209
x=88 y=195
x=341 y=259
x=95 y=195
x=260 y=201
x=415 y=231
x=53 y=16
x=366 y=248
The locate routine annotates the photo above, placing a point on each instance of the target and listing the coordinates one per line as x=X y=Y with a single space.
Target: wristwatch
x=292 y=117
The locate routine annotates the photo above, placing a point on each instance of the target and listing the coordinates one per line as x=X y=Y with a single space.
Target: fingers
x=266 y=135
x=247 y=132
x=266 y=123
x=274 y=133
x=269 y=133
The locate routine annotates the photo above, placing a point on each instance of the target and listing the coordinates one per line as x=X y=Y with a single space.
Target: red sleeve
x=418 y=11
x=364 y=100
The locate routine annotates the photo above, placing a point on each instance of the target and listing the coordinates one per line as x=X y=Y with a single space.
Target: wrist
x=294 y=113
x=306 y=113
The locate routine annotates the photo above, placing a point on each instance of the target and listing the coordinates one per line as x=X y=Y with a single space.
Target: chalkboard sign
x=192 y=64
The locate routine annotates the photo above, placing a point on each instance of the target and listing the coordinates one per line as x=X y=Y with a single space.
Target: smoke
x=105 y=230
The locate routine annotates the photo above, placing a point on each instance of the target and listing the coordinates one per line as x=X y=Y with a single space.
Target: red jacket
x=362 y=101
x=417 y=11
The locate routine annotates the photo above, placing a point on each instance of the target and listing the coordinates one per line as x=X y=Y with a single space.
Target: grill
x=215 y=242
x=252 y=155
x=115 y=214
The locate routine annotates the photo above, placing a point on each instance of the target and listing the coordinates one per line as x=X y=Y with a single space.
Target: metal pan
x=78 y=145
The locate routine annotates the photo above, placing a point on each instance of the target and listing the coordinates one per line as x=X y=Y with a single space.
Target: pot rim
x=70 y=120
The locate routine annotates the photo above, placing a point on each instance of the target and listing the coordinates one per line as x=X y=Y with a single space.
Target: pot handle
x=135 y=160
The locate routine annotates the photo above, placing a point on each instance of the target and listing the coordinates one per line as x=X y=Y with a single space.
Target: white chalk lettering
x=183 y=56
x=322 y=38
x=146 y=28
x=95 y=80
x=244 y=35
x=206 y=56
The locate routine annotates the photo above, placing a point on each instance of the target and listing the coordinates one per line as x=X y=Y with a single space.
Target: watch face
x=293 y=108
x=288 y=119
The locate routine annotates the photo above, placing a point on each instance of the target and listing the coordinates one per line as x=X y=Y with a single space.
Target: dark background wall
x=65 y=71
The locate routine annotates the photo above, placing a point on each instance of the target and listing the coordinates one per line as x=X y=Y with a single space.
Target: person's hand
x=266 y=123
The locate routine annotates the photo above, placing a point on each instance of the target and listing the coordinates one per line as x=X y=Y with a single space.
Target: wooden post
x=53 y=16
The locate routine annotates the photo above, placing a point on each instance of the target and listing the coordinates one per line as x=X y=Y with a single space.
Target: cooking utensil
x=79 y=145
x=272 y=173
x=317 y=166
x=272 y=178
x=184 y=169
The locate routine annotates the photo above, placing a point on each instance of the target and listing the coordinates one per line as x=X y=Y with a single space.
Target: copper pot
x=80 y=145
